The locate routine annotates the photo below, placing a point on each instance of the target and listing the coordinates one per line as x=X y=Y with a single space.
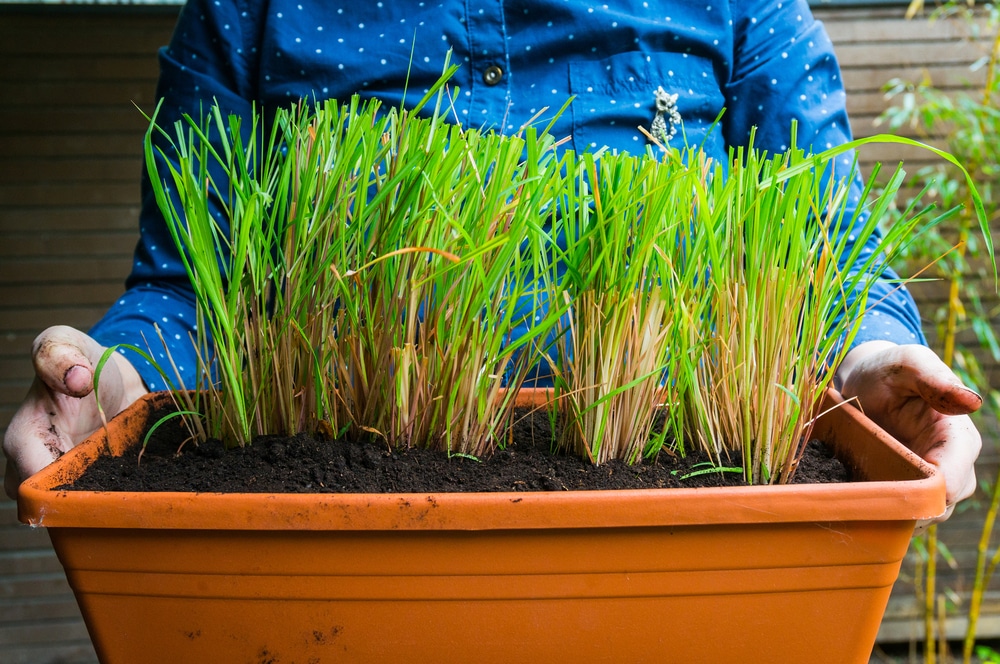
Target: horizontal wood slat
x=37 y=318
x=39 y=610
x=874 y=80
x=58 y=121
x=49 y=34
x=20 y=220
x=32 y=68
x=11 y=344
x=51 y=653
x=88 y=93
x=67 y=629
x=92 y=292
x=16 y=537
x=891 y=54
x=870 y=23
x=32 y=561
x=46 y=195
x=13 y=369
x=84 y=169
x=71 y=145
x=49 y=270
x=68 y=244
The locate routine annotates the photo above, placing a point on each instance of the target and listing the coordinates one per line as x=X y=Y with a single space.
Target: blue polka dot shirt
x=766 y=63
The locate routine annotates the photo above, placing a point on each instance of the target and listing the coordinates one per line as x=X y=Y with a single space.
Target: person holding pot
x=689 y=73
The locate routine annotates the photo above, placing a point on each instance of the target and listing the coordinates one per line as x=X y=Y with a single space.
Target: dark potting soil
x=310 y=464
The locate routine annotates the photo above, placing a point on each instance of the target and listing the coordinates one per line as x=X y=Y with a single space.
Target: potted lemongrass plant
x=391 y=313
x=678 y=275
x=398 y=277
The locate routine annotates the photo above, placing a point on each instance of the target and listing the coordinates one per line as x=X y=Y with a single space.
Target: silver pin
x=667 y=116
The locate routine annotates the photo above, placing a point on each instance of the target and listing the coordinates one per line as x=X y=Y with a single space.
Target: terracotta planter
x=768 y=574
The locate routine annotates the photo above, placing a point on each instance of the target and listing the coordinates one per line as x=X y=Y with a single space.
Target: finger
x=920 y=370
x=948 y=398
x=64 y=359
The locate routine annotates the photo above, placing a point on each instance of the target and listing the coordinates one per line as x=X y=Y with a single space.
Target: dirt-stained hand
x=60 y=409
x=915 y=397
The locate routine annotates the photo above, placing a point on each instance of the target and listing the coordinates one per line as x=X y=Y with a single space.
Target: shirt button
x=492 y=75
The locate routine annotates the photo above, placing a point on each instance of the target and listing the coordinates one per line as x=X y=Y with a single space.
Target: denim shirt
x=764 y=63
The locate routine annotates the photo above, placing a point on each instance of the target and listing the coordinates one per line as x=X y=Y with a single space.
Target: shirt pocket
x=615 y=96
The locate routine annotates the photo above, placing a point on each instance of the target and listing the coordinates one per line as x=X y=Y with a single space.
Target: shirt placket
x=489 y=64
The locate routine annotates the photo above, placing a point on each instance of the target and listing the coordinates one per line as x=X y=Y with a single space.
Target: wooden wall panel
x=70 y=157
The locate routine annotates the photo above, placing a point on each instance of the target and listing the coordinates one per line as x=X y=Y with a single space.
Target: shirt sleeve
x=785 y=70
x=210 y=58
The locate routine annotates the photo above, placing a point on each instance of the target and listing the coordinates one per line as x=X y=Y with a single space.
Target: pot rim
x=902 y=487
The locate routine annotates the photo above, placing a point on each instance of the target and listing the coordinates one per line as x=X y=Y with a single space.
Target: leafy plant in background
x=968 y=122
x=987 y=655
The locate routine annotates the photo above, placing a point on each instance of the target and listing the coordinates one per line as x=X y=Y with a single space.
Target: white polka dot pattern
x=764 y=63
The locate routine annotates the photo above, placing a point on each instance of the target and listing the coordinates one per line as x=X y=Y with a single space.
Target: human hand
x=915 y=397
x=60 y=409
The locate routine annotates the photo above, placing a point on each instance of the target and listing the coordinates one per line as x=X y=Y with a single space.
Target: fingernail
x=978 y=396
x=77 y=380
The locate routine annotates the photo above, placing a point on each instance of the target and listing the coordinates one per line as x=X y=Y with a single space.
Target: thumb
x=64 y=360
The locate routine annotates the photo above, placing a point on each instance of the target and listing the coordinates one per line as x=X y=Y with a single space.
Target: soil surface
x=308 y=464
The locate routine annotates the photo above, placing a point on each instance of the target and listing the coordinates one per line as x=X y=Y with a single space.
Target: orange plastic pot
x=760 y=574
